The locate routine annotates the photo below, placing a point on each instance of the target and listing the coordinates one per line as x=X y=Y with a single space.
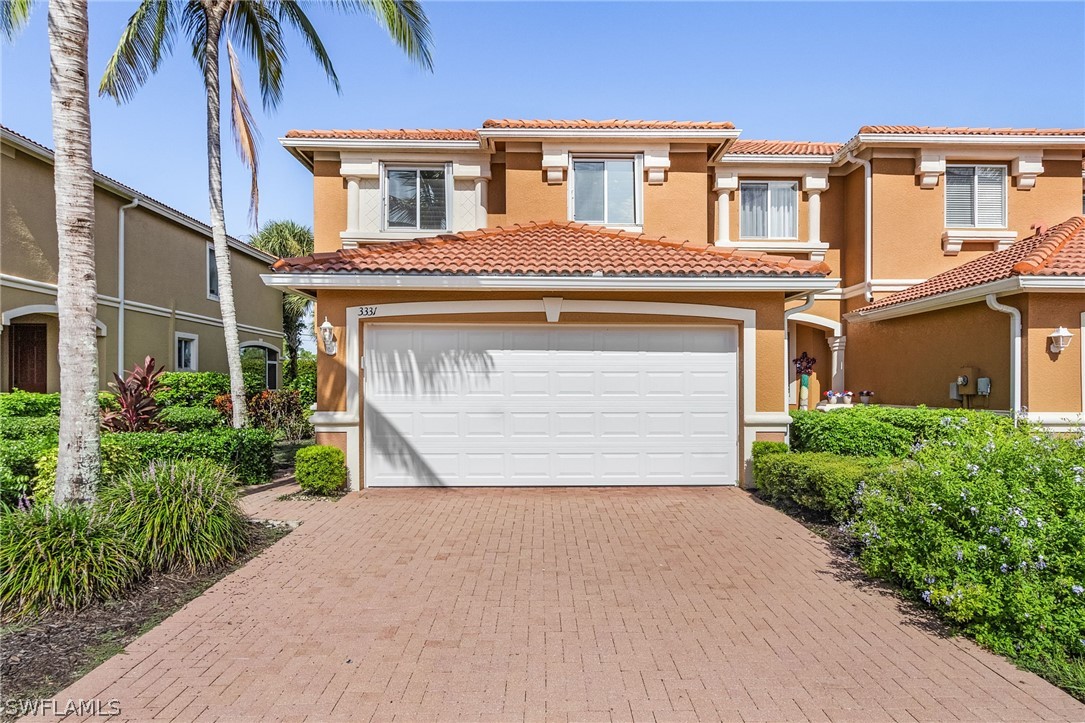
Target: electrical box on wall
x=983 y=386
x=953 y=393
x=966 y=381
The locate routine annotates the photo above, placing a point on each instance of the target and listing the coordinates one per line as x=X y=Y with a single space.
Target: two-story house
x=157 y=282
x=619 y=302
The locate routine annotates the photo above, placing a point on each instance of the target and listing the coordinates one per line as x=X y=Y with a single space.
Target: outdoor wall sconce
x=1060 y=339
x=327 y=334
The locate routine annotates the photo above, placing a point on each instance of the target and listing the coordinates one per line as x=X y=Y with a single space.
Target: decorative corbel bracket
x=929 y=167
x=1025 y=168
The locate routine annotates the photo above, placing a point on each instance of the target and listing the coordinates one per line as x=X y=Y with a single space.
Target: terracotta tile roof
x=390 y=134
x=783 y=148
x=549 y=249
x=608 y=124
x=964 y=131
x=1055 y=251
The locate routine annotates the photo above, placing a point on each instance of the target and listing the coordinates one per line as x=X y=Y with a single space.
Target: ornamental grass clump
x=61 y=558
x=987 y=527
x=179 y=514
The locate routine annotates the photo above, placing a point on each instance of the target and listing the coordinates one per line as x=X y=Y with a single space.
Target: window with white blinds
x=975 y=196
x=769 y=209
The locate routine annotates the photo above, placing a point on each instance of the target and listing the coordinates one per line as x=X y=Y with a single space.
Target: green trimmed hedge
x=247 y=452
x=191 y=389
x=33 y=404
x=818 y=482
x=848 y=432
x=26 y=427
x=187 y=419
x=321 y=469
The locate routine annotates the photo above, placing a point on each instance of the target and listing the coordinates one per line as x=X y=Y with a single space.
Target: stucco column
x=481 y=202
x=353 y=201
x=723 y=215
x=836 y=345
x=814 y=207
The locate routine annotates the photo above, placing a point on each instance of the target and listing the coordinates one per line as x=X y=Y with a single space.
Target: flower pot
x=865 y=399
x=832 y=400
x=847 y=399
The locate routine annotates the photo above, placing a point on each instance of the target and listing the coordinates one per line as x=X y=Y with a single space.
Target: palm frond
x=146 y=40
x=284 y=239
x=404 y=20
x=194 y=27
x=246 y=135
x=292 y=13
x=14 y=15
x=256 y=30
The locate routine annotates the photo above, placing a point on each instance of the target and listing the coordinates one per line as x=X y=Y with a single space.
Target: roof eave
x=487 y=282
x=777 y=158
x=862 y=140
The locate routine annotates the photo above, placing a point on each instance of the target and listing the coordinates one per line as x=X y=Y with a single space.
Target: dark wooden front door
x=29 y=357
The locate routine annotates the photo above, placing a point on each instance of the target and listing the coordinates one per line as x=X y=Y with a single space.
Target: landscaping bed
x=971 y=518
x=44 y=656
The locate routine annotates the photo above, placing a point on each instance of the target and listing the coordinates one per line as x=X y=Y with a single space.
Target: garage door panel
x=550 y=406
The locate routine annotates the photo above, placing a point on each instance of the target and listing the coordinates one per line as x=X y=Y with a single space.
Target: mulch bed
x=47 y=655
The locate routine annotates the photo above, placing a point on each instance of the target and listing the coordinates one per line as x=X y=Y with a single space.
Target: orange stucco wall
x=329 y=205
x=1053 y=381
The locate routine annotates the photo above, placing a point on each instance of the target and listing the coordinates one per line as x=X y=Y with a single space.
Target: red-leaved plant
x=138 y=410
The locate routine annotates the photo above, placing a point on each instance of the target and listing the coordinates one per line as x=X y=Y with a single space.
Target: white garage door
x=550 y=405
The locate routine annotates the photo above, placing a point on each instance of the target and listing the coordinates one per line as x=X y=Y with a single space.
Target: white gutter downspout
x=868 y=223
x=120 y=285
x=787 y=345
x=1015 y=353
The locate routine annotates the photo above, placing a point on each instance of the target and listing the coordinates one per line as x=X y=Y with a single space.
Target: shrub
x=846 y=433
x=45 y=480
x=136 y=410
x=61 y=558
x=186 y=419
x=988 y=528
x=817 y=482
x=21 y=455
x=281 y=413
x=247 y=451
x=761 y=448
x=18 y=403
x=25 y=427
x=191 y=389
x=321 y=469
x=179 y=515
x=14 y=489
x=116 y=460
x=305 y=381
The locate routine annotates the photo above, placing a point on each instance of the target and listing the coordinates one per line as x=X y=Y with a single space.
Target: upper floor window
x=212 y=274
x=606 y=191
x=975 y=196
x=769 y=209
x=416 y=199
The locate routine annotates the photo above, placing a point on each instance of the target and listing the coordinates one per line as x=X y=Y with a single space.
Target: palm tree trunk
x=215 y=13
x=78 y=464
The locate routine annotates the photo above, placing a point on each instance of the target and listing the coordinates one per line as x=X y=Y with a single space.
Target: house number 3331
x=368 y=311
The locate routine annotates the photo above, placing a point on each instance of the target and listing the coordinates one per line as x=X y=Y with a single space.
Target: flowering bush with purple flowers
x=987 y=526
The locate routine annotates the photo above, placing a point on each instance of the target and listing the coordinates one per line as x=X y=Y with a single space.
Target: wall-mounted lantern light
x=1060 y=339
x=327 y=334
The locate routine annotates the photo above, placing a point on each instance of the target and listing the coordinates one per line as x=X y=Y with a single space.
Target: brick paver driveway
x=578 y=604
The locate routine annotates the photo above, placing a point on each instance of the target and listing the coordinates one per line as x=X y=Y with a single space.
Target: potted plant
x=865 y=395
x=830 y=397
x=804 y=364
x=848 y=397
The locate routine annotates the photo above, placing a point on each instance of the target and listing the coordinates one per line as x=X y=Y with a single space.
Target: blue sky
x=799 y=71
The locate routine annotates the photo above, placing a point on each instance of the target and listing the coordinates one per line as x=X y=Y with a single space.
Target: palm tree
x=285 y=239
x=78 y=464
x=258 y=28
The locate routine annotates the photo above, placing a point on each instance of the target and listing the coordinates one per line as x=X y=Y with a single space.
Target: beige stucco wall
x=329 y=205
x=912 y=360
x=1053 y=381
x=166 y=268
x=909 y=220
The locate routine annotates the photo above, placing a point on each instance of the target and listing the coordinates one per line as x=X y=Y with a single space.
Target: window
x=416 y=199
x=769 y=209
x=186 y=352
x=260 y=366
x=607 y=191
x=975 y=196
x=212 y=274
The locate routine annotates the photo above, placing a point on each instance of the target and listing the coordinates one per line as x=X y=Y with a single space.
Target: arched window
x=260 y=365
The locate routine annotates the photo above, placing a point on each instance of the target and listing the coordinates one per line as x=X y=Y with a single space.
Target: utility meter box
x=983 y=386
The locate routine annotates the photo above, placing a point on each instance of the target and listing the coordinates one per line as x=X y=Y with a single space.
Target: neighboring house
x=618 y=302
x=157 y=298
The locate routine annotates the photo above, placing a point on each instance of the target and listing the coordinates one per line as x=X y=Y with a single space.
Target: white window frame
x=638 y=187
x=793 y=185
x=268 y=364
x=195 y=339
x=210 y=261
x=449 y=196
x=975 y=195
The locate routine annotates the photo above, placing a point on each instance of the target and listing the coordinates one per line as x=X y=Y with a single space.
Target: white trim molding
x=195 y=339
x=349 y=420
x=954 y=238
x=11 y=314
